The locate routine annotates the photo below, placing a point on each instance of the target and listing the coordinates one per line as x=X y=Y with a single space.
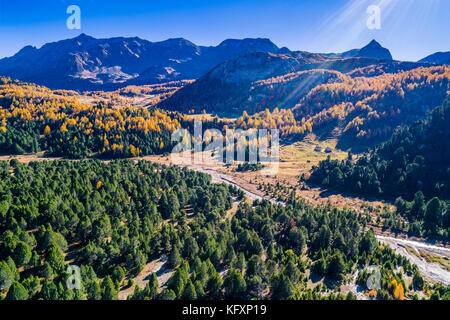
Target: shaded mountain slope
x=240 y=84
x=438 y=58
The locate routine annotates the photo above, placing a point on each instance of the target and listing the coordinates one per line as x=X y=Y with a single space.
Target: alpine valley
x=86 y=177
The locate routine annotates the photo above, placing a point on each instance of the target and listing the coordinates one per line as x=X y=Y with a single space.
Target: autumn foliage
x=35 y=118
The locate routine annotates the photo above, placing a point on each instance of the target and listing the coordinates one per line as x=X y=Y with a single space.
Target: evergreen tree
x=6 y=276
x=433 y=215
x=234 y=284
x=17 y=292
x=189 y=292
x=281 y=287
x=22 y=254
x=214 y=285
x=167 y=294
x=151 y=289
x=336 y=266
x=174 y=258
x=93 y=291
x=108 y=289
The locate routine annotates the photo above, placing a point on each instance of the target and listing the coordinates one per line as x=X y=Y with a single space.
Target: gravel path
x=431 y=270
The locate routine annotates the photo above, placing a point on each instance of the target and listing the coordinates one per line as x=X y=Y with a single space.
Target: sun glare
x=347 y=28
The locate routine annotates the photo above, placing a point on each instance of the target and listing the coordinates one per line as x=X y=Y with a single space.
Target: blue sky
x=411 y=29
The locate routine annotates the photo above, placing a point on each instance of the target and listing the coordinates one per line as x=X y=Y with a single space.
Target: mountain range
x=87 y=63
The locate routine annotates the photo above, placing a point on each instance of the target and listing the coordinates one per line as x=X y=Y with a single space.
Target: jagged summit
x=373 y=44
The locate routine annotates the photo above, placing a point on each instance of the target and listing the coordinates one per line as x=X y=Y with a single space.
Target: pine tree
x=17 y=292
x=6 y=276
x=281 y=287
x=151 y=289
x=433 y=215
x=174 y=258
x=22 y=253
x=108 y=289
x=189 y=292
x=214 y=285
x=234 y=284
x=336 y=266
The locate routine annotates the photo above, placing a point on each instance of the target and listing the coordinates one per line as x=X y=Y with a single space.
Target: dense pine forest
x=411 y=165
x=113 y=218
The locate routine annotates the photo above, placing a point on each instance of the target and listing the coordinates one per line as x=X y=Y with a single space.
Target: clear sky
x=411 y=29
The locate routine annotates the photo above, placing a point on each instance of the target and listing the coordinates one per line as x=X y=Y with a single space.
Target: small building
x=328 y=150
x=317 y=149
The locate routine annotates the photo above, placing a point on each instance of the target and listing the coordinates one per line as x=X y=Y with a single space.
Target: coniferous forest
x=113 y=218
x=410 y=167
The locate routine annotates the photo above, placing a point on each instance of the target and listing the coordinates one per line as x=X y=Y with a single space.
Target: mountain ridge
x=233 y=85
x=437 y=58
x=87 y=63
